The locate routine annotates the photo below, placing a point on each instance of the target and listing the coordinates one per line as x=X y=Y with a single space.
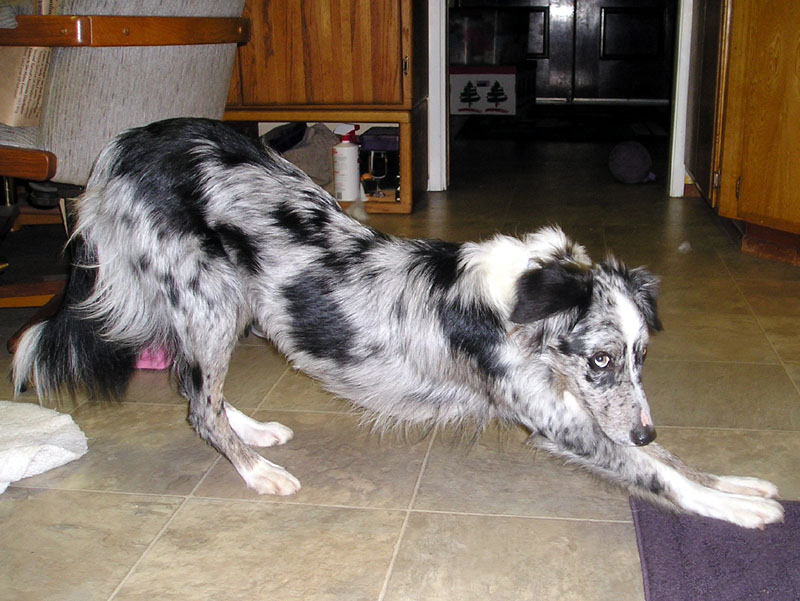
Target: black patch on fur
x=240 y=245
x=189 y=376
x=194 y=283
x=651 y=484
x=167 y=163
x=319 y=325
x=437 y=261
x=197 y=377
x=304 y=227
x=551 y=289
x=573 y=345
x=144 y=263
x=475 y=331
x=100 y=367
x=351 y=256
x=169 y=143
x=173 y=292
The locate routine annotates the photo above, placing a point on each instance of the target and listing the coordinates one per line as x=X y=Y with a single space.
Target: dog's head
x=591 y=325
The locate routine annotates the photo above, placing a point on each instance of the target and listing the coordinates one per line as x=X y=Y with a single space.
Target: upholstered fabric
x=94 y=93
x=27 y=137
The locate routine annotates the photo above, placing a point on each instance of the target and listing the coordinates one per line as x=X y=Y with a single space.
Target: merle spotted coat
x=188 y=233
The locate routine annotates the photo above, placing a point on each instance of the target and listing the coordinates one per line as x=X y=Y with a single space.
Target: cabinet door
x=337 y=53
x=770 y=172
x=761 y=145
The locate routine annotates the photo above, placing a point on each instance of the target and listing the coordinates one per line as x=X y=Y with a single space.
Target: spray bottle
x=346 y=180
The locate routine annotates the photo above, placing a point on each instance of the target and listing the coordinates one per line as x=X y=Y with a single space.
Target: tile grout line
x=157 y=537
x=270 y=391
x=186 y=499
x=409 y=509
x=153 y=542
x=728 y=429
x=522 y=516
x=711 y=361
x=781 y=362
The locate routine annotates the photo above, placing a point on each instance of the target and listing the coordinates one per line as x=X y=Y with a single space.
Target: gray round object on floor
x=630 y=163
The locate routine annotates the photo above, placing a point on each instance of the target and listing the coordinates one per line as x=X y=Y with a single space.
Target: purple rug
x=688 y=558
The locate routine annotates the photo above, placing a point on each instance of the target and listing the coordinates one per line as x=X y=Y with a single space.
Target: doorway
x=583 y=70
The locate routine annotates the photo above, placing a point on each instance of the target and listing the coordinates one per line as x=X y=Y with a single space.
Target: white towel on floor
x=34 y=439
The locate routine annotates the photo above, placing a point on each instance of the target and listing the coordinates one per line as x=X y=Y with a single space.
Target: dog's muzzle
x=643 y=436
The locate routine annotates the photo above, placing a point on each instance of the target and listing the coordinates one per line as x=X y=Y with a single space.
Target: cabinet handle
x=405 y=66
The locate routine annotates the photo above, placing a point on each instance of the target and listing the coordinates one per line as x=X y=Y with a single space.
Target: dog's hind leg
x=206 y=336
x=210 y=416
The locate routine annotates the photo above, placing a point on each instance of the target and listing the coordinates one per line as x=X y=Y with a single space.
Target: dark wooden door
x=592 y=50
x=703 y=113
x=624 y=49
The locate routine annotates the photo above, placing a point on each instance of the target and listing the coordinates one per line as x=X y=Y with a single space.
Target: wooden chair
x=109 y=72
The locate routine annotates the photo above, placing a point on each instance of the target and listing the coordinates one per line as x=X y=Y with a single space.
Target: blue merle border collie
x=189 y=233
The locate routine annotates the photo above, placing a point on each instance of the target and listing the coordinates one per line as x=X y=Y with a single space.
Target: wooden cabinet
x=760 y=162
x=750 y=170
x=340 y=61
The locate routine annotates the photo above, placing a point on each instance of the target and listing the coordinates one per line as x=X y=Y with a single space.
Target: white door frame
x=437 y=95
x=438 y=107
x=683 y=45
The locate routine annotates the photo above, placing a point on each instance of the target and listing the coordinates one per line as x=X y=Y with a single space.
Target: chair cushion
x=92 y=94
x=24 y=137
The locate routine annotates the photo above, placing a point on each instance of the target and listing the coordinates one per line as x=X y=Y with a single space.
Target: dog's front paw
x=743 y=510
x=267 y=478
x=753 y=512
x=746 y=510
x=742 y=485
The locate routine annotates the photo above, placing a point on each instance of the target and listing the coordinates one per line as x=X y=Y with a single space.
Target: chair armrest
x=27 y=163
x=103 y=30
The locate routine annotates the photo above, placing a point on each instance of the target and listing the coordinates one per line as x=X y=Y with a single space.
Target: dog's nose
x=643 y=436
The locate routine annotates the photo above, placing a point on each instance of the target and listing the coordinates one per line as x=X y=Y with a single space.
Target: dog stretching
x=189 y=233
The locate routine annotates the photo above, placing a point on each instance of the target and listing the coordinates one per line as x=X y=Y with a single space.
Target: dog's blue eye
x=601 y=360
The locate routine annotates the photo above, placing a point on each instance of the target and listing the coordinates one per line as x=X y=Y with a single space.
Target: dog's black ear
x=551 y=289
x=643 y=287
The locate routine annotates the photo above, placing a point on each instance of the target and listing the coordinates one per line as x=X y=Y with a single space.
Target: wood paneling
x=769 y=187
x=351 y=61
x=326 y=52
x=105 y=30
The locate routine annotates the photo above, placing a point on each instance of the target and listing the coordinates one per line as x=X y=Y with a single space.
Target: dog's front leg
x=747 y=502
x=654 y=473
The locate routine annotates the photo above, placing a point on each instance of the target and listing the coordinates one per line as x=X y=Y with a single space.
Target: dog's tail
x=69 y=352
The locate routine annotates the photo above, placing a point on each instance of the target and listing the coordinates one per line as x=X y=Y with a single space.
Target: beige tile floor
x=151 y=513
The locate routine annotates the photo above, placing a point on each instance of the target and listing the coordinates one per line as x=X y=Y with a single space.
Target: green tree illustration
x=497 y=94
x=469 y=94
